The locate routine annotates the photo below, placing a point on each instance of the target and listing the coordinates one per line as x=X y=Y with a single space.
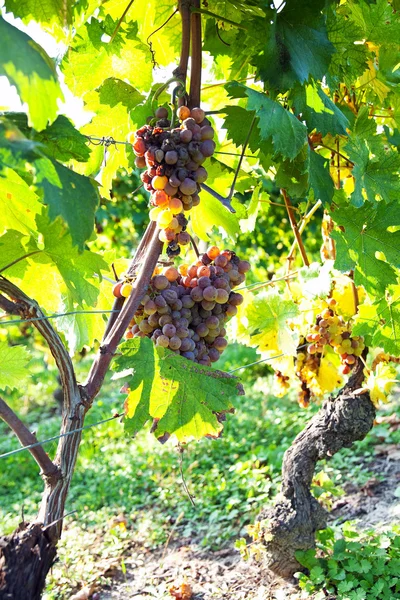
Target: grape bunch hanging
x=173 y=158
x=330 y=329
x=186 y=308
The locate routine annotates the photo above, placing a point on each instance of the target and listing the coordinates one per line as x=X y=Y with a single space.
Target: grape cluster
x=330 y=329
x=186 y=308
x=173 y=159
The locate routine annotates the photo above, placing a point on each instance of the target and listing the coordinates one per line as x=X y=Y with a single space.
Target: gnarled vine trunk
x=291 y=524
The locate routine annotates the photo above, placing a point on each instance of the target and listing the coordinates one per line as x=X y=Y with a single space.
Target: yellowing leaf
x=381 y=382
x=180 y=397
x=344 y=295
x=326 y=379
x=13 y=365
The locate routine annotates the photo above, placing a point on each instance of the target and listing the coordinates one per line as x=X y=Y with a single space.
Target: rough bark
x=291 y=524
x=32 y=553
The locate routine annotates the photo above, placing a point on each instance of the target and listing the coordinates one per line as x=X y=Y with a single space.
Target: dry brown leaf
x=181 y=591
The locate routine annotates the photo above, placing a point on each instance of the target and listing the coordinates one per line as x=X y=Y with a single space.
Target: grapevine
x=173 y=158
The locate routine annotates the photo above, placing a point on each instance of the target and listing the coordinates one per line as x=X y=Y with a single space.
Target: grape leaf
x=112 y=103
x=248 y=224
x=63 y=142
x=211 y=213
x=379 y=323
x=14 y=361
x=180 y=397
x=12 y=248
x=274 y=122
x=89 y=61
x=316 y=280
x=33 y=73
x=19 y=205
x=318 y=110
x=237 y=123
x=377 y=21
x=293 y=175
x=320 y=179
x=53 y=15
x=70 y=195
x=296 y=46
x=364 y=232
x=77 y=269
x=377 y=175
x=350 y=59
x=267 y=316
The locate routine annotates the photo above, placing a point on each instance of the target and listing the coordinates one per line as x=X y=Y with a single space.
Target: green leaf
x=179 y=396
x=319 y=112
x=12 y=248
x=237 y=122
x=89 y=61
x=379 y=323
x=376 y=170
x=19 y=205
x=320 y=179
x=53 y=15
x=296 y=47
x=28 y=67
x=211 y=213
x=78 y=269
x=363 y=233
x=274 y=122
x=267 y=317
x=376 y=20
x=69 y=195
x=350 y=59
x=293 y=175
x=63 y=142
x=248 y=224
x=14 y=361
x=112 y=103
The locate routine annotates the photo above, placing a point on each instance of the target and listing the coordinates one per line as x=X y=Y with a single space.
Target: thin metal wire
x=73 y=312
x=264 y=360
x=57 y=437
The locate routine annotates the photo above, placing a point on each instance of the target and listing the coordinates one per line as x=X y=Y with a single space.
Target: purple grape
x=169 y=330
x=175 y=342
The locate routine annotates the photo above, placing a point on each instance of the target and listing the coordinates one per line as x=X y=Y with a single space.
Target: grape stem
x=181 y=70
x=217 y=17
x=295 y=230
x=195 y=59
x=227 y=201
x=118 y=25
x=196 y=250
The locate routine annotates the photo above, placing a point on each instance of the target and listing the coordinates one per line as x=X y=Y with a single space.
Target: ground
x=133 y=532
x=224 y=575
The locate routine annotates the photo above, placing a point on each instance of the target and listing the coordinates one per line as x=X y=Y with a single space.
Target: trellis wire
x=108 y=141
x=265 y=360
x=73 y=312
x=57 y=437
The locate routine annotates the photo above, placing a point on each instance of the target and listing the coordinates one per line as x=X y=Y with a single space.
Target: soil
x=224 y=575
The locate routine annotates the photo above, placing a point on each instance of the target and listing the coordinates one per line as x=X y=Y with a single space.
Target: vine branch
x=118 y=25
x=295 y=229
x=49 y=469
x=195 y=59
x=181 y=70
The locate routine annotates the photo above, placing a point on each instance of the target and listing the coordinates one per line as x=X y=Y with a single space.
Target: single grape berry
x=161 y=113
x=183 y=113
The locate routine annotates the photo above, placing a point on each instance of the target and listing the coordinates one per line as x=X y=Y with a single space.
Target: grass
x=125 y=490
